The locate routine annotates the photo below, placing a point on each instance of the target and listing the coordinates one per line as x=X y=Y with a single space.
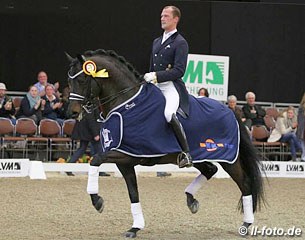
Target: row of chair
x=48 y=136
x=276 y=150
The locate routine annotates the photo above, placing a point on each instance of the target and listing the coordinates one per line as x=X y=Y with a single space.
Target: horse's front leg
x=129 y=175
x=93 y=184
x=93 y=175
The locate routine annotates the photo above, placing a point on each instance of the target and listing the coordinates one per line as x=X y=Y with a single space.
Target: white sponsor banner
x=210 y=72
x=284 y=169
x=14 y=167
x=272 y=168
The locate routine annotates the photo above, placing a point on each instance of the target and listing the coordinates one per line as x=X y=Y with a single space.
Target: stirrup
x=184 y=159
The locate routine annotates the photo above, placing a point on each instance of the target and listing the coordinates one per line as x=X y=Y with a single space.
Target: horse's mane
x=113 y=54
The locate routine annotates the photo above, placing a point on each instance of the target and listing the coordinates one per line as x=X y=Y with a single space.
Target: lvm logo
x=270 y=167
x=295 y=168
x=207 y=71
x=10 y=166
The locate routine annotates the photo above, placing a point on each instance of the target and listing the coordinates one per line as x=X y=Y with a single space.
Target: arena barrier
x=37 y=169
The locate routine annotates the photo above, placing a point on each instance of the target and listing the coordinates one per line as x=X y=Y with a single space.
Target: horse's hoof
x=132 y=233
x=245 y=224
x=192 y=203
x=194 y=206
x=99 y=205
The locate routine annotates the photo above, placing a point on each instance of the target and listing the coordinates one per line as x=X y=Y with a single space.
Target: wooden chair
x=49 y=129
x=6 y=129
x=260 y=135
x=269 y=122
x=273 y=112
x=18 y=142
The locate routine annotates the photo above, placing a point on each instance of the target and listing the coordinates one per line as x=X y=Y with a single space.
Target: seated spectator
x=232 y=100
x=253 y=113
x=31 y=105
x=53 y=107
x=203 y=92
x=301 y=126
x=285 y=131
x=7 y=109
x=42 y=78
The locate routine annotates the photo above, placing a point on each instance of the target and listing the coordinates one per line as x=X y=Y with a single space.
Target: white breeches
x=171 y=97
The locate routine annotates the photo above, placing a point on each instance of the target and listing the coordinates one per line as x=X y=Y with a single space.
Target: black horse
x=103 y=77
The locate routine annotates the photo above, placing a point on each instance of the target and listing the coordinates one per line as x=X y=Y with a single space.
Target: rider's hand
x=150 y=77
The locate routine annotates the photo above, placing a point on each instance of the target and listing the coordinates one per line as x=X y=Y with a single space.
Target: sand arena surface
x=59 y=208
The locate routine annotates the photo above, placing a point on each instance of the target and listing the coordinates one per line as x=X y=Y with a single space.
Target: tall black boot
x=184 y=159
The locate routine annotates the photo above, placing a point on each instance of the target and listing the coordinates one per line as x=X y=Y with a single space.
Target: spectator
x=31 y=105
x=232 y=100
x=87 y=130
x=301 y=126
x=53 y=107
x=285 y=131
x=7 y=109
x=203 y=92
x=42 y=78
x=253 y=113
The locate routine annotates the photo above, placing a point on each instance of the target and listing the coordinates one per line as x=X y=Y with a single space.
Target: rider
x=167 y=67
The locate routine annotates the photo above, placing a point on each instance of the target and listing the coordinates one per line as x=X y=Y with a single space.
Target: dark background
x=264 y=39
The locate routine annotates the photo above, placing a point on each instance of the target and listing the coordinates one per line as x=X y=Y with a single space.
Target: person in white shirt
x=167 y=67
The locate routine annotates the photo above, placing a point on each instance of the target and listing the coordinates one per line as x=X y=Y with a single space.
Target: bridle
x=89 y=102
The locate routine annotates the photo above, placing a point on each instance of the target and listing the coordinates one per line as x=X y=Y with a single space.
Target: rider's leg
x=172 y=103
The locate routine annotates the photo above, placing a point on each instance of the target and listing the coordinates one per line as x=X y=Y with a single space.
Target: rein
x=110 y=98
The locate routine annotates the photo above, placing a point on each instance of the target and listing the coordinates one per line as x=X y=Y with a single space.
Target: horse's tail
x=251 y=165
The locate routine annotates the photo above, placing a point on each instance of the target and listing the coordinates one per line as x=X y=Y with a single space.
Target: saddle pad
x=138 y=128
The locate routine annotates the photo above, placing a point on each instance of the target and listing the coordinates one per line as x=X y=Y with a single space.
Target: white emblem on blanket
x=107 y=137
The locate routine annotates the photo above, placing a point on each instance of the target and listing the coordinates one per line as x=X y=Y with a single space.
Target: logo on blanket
x=210 y=145
x=107 y=137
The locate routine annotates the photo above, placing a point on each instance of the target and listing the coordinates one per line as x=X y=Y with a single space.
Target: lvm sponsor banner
x=284 y=169
x=208 y=71
x=14 y=167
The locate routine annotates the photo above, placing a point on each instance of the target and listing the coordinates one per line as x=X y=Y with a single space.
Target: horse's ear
x=70 y=59
x=81 y=58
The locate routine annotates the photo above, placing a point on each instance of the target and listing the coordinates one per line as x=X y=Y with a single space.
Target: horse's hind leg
x=207 y=170
x=243 y=182
x=129 y=175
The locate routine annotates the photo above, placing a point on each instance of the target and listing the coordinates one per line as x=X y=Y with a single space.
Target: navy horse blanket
x=138 y=128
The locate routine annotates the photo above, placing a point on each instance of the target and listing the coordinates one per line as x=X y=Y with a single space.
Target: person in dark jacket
x=167 y=66
x=87 y=130
x=253 y=113
x=7 y=109
x=31 y=105
x=53 y=107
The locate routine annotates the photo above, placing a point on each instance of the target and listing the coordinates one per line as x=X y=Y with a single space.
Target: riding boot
x=184 y=159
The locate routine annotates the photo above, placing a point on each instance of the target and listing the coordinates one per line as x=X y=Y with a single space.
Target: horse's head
x=99 y=77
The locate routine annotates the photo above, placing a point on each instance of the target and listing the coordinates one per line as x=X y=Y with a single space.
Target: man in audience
x=7 y=109
x=254 y=113
x=42 y=78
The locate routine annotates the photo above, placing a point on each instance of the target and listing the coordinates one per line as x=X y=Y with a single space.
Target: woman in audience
x=285 y=131
x=301 y=126
x=53 y=107
x=31 y=105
